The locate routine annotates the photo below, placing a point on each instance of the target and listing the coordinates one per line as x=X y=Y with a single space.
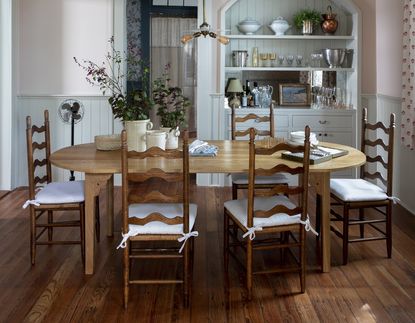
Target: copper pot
x=329 y=24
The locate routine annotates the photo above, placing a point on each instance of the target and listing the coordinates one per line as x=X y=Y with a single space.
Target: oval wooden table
x=100 y=166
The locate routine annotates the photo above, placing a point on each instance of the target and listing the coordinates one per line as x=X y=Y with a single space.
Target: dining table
x=100 y=166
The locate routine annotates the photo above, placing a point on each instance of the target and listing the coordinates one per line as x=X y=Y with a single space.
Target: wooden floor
x=371 y=288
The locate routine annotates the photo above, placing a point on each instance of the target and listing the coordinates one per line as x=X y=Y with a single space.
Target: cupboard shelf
x=290 y=37
x=285 y=68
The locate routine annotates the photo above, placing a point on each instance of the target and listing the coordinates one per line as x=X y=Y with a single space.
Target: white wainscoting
x=97 y=120
x=380 y=107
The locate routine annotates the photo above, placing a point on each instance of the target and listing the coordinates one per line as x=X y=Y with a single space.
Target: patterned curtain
x=408 y=76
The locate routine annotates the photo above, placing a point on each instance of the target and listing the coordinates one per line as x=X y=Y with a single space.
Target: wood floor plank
x=371 y=288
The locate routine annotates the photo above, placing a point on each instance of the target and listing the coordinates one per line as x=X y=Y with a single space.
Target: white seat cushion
x=242 y=178
x=239 y=209
x=170 y=210
x=61 y=192
x=352 y=190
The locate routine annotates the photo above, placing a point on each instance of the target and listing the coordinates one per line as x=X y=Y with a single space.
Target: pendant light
x=204 y=30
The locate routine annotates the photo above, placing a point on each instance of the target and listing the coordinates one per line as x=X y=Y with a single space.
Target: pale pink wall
x=389 y=15
x=50 y=33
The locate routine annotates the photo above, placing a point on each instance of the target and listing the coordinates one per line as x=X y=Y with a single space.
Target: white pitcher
x=155 y=138
x=172 y=141
x=135 y=131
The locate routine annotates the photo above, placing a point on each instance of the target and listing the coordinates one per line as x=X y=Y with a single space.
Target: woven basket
x=108 y=142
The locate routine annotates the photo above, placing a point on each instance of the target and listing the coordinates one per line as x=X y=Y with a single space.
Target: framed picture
x=294 y=94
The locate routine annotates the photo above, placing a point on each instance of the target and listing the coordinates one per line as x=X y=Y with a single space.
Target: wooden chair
x=268 y=212
x=364 y=193
x=157 y=216
x=54 y=196
x=240 y=180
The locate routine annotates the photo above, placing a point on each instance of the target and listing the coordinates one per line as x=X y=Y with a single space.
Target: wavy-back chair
x=366 y=192
x=157 y=216
x=270 y=212
x=264 y=127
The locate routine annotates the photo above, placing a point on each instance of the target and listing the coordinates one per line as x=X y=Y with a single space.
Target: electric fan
x=71 y=111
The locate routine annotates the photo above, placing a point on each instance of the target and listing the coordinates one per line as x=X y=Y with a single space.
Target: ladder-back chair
x=270 y=212
x=163 y=215
x=264 y=127
x=367 y=191
x=53 y=196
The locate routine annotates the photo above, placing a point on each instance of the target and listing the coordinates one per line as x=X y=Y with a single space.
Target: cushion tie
x=394 y=199
x=30 y=202
x=185 y=237
x=308 y=227
x=130 y=233
x=251 y=232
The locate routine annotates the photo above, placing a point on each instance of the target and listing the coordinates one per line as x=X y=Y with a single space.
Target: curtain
x=166 y=48
x=408 y=76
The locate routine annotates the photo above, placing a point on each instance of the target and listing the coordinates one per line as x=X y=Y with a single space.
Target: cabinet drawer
x=322 y=122
x=342 y=138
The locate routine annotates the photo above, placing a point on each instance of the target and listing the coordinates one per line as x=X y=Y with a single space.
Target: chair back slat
x=133 y=181
x=370 y=145
x=277 y=209
x=377 y=159
x=40 y=180
x=376 y=175
x=153 y=196
x=44 y=146
x=258 y=119
x=278 y=169
x=156 y=217
x=38 y=129
x=377 y=142
x=301 y=188
x=40 y=163
x=279 y=189
x=156 y=173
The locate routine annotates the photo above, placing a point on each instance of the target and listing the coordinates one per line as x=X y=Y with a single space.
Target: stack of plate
x=297 y=138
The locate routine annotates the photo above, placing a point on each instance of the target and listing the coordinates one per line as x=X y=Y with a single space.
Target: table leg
x=321 y=181
x=110 y=206
x=93 y=184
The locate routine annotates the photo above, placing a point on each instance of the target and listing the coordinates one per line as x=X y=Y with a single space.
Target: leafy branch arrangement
x=306 y=14
x=170 y=102
x=134 y=104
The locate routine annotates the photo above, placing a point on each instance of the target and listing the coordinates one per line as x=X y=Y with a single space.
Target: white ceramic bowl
x=249 y=26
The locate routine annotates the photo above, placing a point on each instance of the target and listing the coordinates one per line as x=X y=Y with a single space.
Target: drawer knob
x=325 y=135
x=322 y=121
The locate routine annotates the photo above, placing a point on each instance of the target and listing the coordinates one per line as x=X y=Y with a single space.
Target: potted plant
x=133 y=106
x=306 y=19
x=171 y=107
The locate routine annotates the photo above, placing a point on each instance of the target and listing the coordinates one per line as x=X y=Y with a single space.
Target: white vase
x=135 y=131
x=172 y=141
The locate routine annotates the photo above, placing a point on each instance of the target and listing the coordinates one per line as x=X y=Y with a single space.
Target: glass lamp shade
x=186 y=38
x=223 y=40
x=235 y=86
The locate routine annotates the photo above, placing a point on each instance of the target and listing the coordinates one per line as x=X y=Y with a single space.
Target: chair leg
x=82 y=231
x=389 y=229
x=361 y=218
x=226 y=242
x=345 y=234
x=318 y=215
x=50 y=229
x=302 y=259
x=234 y=192
x=249 y=251
x=32 y=235
x=186 y=276
x=97 y=220
x=126 y=273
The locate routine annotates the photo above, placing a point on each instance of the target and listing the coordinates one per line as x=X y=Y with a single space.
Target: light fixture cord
x=204 y=12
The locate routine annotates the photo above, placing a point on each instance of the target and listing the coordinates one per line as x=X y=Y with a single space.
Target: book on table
x=317 y=155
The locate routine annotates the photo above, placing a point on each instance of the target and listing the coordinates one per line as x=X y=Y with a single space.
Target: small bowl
x=334 y=57
x=249 y=26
